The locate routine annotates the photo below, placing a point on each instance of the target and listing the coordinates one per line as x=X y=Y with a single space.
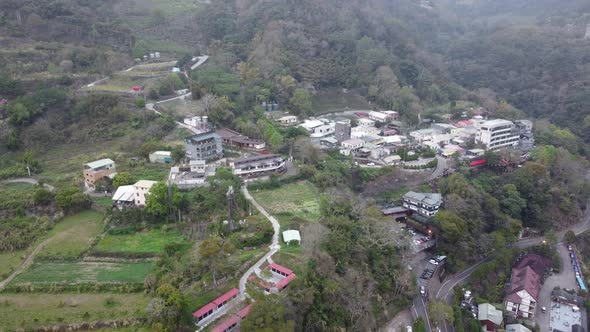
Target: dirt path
x=29 y=181
x=25 y=264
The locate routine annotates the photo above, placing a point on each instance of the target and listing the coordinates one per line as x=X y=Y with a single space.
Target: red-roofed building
x=525 y=284
x=476 y=163
x=244 y=312
x=285 y=282
x=276 y=268
x=464 y=123
x=223 y=299
x=205 y=311
x=227 y=325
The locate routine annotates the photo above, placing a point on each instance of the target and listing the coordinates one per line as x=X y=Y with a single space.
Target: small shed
x=291 y=235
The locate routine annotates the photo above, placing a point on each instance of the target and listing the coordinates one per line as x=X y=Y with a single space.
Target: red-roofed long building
x=276 y=268
x=211 y=307
x=525 y=284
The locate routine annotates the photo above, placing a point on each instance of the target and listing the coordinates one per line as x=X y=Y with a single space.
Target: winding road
x=274 y=247
x=446 y=290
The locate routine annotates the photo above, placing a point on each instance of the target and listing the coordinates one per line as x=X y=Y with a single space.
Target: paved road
x=440 y=169
x=274 y=247
x=447 y=288
x=201 y=60
x=30 y=181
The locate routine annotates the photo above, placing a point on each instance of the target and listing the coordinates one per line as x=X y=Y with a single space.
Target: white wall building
x=287 y=120
x=351 y=145
x=142 y=190
x=497 y=134
x=366 y=123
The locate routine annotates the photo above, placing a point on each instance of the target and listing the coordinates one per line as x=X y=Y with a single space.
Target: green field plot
x=73 y=236
x=9 y=261
x=299 y=200
x=16 y=195
x=153 y=241
x=31 y=311
x=84 y=273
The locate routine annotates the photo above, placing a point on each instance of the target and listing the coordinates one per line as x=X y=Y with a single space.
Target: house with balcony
x=497 y=134
x=205 y=146
x=525 y=285
x=261 y=165
x=424 y=204
x=234 y=139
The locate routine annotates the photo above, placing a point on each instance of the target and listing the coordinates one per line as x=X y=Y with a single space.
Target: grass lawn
x=299 y=200
x=84 y=272
x=146 y=171
x=73 y=235
x=105 y=201
x=153 y=241
x=291 y=256
x=31 y=311
x=9 y=262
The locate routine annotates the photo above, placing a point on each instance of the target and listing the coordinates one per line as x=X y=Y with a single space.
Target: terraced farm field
x=33 y=310
x=73 y=235
x=84 y=273
x=151 y=242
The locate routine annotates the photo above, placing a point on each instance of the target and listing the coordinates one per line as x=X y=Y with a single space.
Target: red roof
x=280 y=268
x=536 y=262
x=463 y=123
x=525 y=279
x=223 y=298
x=208 y=307
x=226 y=324
x=244 y=312
x=477 y=163
x=285 y=282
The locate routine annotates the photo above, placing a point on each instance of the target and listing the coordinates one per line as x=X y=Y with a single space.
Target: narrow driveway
x=274 y=247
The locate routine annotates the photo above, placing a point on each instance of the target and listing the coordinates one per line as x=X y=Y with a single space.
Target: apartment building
x=258 y=166
x=425 y=204
x=497 y=134
x=205 y=146
x=97 y=170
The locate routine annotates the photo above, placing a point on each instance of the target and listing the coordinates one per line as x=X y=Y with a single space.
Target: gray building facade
x=205 y=146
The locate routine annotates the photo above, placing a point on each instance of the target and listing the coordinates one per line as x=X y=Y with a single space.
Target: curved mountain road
x=447 y=288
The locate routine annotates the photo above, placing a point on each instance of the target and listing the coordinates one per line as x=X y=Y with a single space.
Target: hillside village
x=224 y=166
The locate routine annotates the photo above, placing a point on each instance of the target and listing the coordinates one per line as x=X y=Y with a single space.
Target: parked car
x=408 y=328
x=422 y=290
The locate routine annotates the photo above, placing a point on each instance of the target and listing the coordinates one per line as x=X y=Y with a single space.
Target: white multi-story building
x=497 y=134
x=425 y=204
x=133 y=195
x=351 y=145
x=142 y=190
